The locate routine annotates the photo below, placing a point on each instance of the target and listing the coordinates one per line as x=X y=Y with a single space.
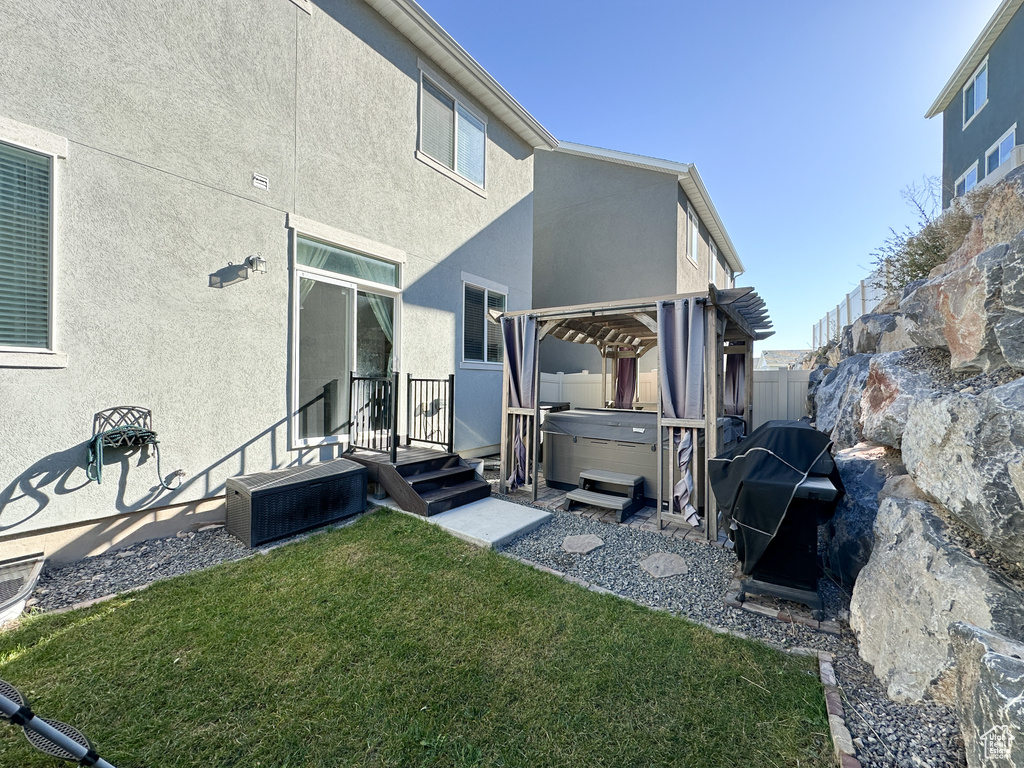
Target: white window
x=967 y=182
x=481 y=333
x=976 y=93
x=26 y=245
x=999 y=153
x=692 y=233
x=713 y=263
x=452 y=134
x=29 y=173
x=347 y=305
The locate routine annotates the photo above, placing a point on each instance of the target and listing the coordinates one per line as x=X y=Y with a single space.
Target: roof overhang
x=975 y=55
x=427 y=35
x=689 y=180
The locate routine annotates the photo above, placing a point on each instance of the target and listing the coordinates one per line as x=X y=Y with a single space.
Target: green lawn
x=390 y=643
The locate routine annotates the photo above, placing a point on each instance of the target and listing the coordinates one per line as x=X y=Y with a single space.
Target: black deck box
x=274 y=505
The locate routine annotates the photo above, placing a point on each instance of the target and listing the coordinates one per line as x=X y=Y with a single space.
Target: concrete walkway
x=490 y=522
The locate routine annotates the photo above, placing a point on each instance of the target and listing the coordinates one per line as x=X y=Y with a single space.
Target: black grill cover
x=754 y=482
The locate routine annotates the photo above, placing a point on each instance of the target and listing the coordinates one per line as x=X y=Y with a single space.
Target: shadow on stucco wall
x=63 y=473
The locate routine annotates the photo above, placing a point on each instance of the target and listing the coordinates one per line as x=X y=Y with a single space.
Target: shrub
x=911 y=254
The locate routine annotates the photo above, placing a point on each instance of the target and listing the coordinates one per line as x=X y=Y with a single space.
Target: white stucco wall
x=169 y=109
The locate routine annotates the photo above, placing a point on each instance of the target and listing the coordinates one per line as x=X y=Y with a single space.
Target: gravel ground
x=886 y=733
x=133 y=567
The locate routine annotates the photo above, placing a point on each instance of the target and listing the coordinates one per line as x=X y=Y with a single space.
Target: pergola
x=732 y=319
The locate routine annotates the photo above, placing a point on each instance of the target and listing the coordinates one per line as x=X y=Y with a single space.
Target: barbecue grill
x=776 y=487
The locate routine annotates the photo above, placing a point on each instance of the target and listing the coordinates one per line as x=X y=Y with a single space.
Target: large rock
x=849 y=535
x=967 y=452
x=837 y=401
x=914 y=586
x=814 y=380
x=899 y=337
x=1003 y=215
x=976 y=310
x=922 y=320
x=989 y=696
x=895 y=381
x=867 y=330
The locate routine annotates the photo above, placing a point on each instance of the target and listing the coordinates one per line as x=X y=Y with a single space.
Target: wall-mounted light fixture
x=256 y=263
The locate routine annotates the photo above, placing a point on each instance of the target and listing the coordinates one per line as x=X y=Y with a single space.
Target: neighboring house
x=982 y=107
x=148 y=149
x=772 y=359
x=611 y=225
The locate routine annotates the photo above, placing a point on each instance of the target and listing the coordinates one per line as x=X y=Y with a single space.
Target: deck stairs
x=424 y=481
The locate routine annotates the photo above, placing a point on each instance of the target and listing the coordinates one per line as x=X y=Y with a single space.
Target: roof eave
x=427 y=35
x=974 y=56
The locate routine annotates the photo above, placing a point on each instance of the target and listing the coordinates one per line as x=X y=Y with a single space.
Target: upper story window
x=967 y=182
x=452 y=133
x=713 y=264
x=1000 y=152
x=976 y=93
x=26 y=234
x=692 y=233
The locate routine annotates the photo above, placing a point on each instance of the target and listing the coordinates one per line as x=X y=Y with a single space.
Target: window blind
x=438 y=138
x=473 y=324
x=495 y=344
x=24 y=248
x=471 y=139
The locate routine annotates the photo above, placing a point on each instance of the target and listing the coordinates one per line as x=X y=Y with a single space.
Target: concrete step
x=491 y=522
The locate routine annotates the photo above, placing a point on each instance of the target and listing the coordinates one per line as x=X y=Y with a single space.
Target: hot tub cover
x=754 y=482
x=623 y=426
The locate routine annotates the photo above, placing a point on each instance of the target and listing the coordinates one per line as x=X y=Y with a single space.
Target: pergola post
x=712 y=363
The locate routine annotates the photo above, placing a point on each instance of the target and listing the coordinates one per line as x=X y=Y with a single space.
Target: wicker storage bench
x=274 y=505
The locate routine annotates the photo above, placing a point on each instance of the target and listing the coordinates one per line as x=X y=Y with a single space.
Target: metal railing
x=430 y=412
x=373 y=413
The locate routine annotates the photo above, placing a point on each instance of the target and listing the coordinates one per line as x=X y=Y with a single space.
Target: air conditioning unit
x=268 y=506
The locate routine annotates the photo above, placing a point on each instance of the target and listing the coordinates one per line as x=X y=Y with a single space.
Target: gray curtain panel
x=681 y=358
x=681 y=374
x=735 y=384
x=625 y=377
x=520 y=335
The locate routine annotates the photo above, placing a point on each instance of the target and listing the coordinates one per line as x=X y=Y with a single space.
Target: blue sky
x=805 y=119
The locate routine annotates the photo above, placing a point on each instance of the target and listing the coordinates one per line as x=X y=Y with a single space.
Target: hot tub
x=614 y=440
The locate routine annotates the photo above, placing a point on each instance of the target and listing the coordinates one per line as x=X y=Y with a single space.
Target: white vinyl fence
x=778 y=394
x=860 y=301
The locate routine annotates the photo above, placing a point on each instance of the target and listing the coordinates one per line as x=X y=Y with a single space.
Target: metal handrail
x=433 y=422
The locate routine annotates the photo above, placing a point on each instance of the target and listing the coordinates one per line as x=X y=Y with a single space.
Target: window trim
x=487 y=286
x=54 y=147
x=313 y=230
x=964 y=120
x=995 y=148
x=439 y=82
x=963 y=177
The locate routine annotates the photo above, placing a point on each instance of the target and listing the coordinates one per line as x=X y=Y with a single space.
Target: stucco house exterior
x=982 y=107
x=154 y=157
x=612 y=225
